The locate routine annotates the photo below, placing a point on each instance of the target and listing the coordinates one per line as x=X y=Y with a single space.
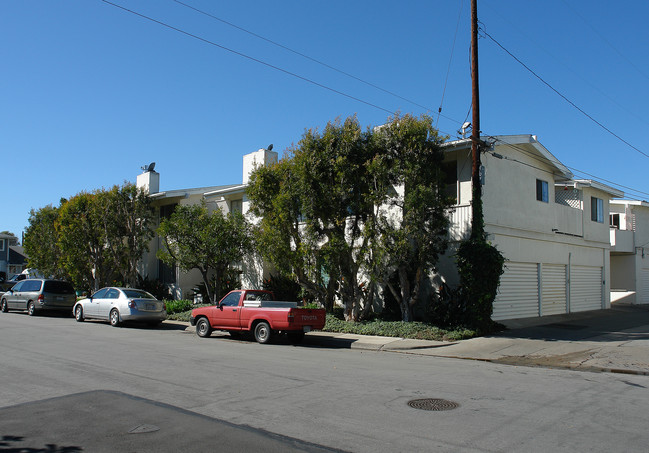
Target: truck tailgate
x=307 y=318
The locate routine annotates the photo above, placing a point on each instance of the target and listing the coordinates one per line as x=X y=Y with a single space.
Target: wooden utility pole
x=477 y=223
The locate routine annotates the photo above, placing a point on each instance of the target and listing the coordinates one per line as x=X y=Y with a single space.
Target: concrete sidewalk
x=615 y=340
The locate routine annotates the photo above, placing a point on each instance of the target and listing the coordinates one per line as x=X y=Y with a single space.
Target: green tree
x=414 y=229
x=355 y=205
x=208 y=241
x=128 y=227
x=314 y=205
x=82 y=241
x=42 y=242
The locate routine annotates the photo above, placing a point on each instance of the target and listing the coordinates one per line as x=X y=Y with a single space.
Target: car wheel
x=31 y=309
x=114 y=317
x=3 y=306
x=78 y=313
x=203 y=328
x=295 y=337
x=263 y=333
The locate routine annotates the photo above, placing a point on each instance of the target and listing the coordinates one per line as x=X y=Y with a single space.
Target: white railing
x=460 y=222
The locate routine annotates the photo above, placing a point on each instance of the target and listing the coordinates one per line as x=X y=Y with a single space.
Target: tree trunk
x=405 y=305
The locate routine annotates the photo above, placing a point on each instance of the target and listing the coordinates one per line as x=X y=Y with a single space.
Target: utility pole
x=477 y=222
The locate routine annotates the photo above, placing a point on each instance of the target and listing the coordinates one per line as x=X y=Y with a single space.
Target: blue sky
x=90 y=92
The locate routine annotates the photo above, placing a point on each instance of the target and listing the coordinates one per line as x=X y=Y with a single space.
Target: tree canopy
x=346 y=208
x=211 y=242
x=92 y=239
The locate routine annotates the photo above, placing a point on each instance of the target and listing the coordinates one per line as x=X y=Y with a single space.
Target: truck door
x=228 y=313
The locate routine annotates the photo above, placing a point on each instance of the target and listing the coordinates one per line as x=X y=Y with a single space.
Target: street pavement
x=614 y=340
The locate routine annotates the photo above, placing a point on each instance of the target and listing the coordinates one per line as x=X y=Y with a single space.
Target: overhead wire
x=448 y=70
x=303 y=55
x=586 y=80
x=563 y=96
x=628 y=60
x=539 y=159
x=257 y=60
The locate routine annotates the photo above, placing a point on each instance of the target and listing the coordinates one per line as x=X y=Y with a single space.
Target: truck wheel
x=203 y=328
x=295 y=337
x=263 y=333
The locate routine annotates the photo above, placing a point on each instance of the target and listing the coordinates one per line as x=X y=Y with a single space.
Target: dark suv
x=35 y=294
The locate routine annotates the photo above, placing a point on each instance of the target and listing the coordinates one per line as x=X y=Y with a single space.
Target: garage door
x=518 y=293
x=642 y=296
x=553 y=289
x=585 y=288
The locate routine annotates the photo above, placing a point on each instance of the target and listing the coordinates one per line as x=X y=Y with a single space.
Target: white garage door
x=518 y=293
x=553 y=289
x=585 y=288
x=642 y=297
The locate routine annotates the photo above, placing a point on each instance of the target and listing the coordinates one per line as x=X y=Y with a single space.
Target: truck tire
x=263 y=332
x=203 y=328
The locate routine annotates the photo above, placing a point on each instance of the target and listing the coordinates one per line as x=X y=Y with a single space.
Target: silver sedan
x=118 y=305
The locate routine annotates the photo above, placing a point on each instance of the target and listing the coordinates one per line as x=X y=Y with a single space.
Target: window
x=542 y=191
x=236 y=206
x=232 y=299
x=596 y=209
x=614 y=220
x=100 y=294
x=2 y=245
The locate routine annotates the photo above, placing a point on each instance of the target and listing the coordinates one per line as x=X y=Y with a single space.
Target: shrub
x=480 y=266
x=178 y=306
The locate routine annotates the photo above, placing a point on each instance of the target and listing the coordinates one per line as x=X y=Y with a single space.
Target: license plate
x=59 y=298
x=150 y=306
x=307 y=328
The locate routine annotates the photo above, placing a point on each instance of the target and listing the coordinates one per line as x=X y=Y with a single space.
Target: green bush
x=177 y=306
x=480 y=266
x=413 y=330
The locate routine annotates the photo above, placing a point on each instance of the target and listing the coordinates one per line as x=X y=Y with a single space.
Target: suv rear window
x=57 y=287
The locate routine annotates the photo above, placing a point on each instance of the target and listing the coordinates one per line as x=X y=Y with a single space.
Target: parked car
x=7 y=284
x=118 y=305
x=256 y=311
x=36 y=294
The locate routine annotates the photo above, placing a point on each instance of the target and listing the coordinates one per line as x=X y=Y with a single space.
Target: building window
x=2 y=245
x=542 y=191
x=596 y=209
x=614 y=220
x=236 y=206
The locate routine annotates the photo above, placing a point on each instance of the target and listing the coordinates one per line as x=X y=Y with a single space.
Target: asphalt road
x=164 y=389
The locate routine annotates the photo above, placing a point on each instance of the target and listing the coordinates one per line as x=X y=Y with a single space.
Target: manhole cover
x=433 y=404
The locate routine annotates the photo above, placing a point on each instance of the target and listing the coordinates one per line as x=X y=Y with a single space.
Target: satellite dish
x=148 y=168
x=270 y=147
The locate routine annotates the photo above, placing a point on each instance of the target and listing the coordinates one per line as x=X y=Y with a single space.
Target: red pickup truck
x=256 y=311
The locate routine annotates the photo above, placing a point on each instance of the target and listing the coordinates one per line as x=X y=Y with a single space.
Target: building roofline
x=513 y=141
x=599 y=186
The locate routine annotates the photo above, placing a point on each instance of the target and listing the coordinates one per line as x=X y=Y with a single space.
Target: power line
x=333 y=68
x=586 y=80
x=606 y=40
x=256 y=60
x=448 y=70
x=564 y=97
x=539 y=159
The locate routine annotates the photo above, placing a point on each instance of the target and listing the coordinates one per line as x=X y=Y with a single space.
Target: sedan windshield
x=137 y=294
